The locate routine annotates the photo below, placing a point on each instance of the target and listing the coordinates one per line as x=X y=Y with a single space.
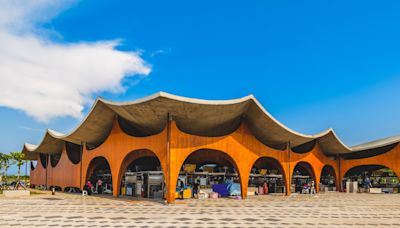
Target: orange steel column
x=317 y=178
x=47 y=169
x=169 y=184
x=80 y=165
x=338 y=176
x=288 y=181
x=244 y=178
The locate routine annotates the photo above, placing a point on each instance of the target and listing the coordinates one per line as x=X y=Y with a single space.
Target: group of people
x=181 y=186
x=89 y=187
x=309 y=188
x=262 y=189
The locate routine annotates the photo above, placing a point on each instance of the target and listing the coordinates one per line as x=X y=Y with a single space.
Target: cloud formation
x=48 y=79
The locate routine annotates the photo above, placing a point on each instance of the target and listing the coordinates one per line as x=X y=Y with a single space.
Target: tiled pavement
x=323 y=210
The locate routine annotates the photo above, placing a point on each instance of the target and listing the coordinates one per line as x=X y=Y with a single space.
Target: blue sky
x=313 y=65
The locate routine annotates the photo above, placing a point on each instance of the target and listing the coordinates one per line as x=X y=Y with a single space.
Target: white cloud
x=48 y=79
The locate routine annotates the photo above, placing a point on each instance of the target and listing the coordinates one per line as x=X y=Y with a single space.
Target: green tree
x=2 y=163
x=18 y=158
x=5 y=163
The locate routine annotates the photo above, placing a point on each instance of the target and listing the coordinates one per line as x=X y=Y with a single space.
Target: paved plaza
x=323 y=210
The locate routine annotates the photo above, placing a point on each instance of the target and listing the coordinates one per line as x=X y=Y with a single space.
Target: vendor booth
x=263 y=181
x=379 y=179
x=303 y=179
x=100 y=179
x=266 y=177
x=327 y=181
x=146 y=184
x=143 y=177
x=207 y=181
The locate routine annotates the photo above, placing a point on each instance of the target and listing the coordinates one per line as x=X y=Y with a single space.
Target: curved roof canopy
x=200 y=117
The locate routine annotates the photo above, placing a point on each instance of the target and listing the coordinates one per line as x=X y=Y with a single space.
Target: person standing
x=100 y=186
x=196 y=189
x=89 y=187
x=312 y=190
x=181 y=188
x=367 y=182
x=265 y=188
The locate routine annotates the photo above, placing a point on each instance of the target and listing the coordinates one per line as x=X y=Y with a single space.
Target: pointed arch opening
x=267 y=176
x=328 y=179
x=303 y=179
x=141 y=175
x=44 y=160
x=208 y=172
x=98 y=177
x=54 y=159
x=365 y=177
x=33 y=165
x=73 y=152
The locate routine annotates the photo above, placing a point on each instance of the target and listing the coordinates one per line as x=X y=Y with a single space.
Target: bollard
x=53 y=191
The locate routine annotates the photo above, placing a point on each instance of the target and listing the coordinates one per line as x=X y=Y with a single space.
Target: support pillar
x=80 y=168
x=244 y=182
x=169 y=181
x=289 y=174
x=338 y=178
x=115 y=181
x=47 y=167
x=317 y=180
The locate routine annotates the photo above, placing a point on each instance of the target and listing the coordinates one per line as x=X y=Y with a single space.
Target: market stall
x=146 y=184
x=100 y=179
x=380 y=179
x=328 y=181
x=266 y=177
x=275 y=183
x=303 y=179
x=143 y=177
x=208 y=180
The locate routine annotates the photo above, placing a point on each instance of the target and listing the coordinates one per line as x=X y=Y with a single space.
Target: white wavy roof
x=195 y=116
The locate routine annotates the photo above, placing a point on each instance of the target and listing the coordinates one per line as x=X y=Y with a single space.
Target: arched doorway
x=302 y=179
x=362 y=178
x=211 y=173
x=99 y=175
x=267 y=176
x=328 y=179
x=142 y=175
